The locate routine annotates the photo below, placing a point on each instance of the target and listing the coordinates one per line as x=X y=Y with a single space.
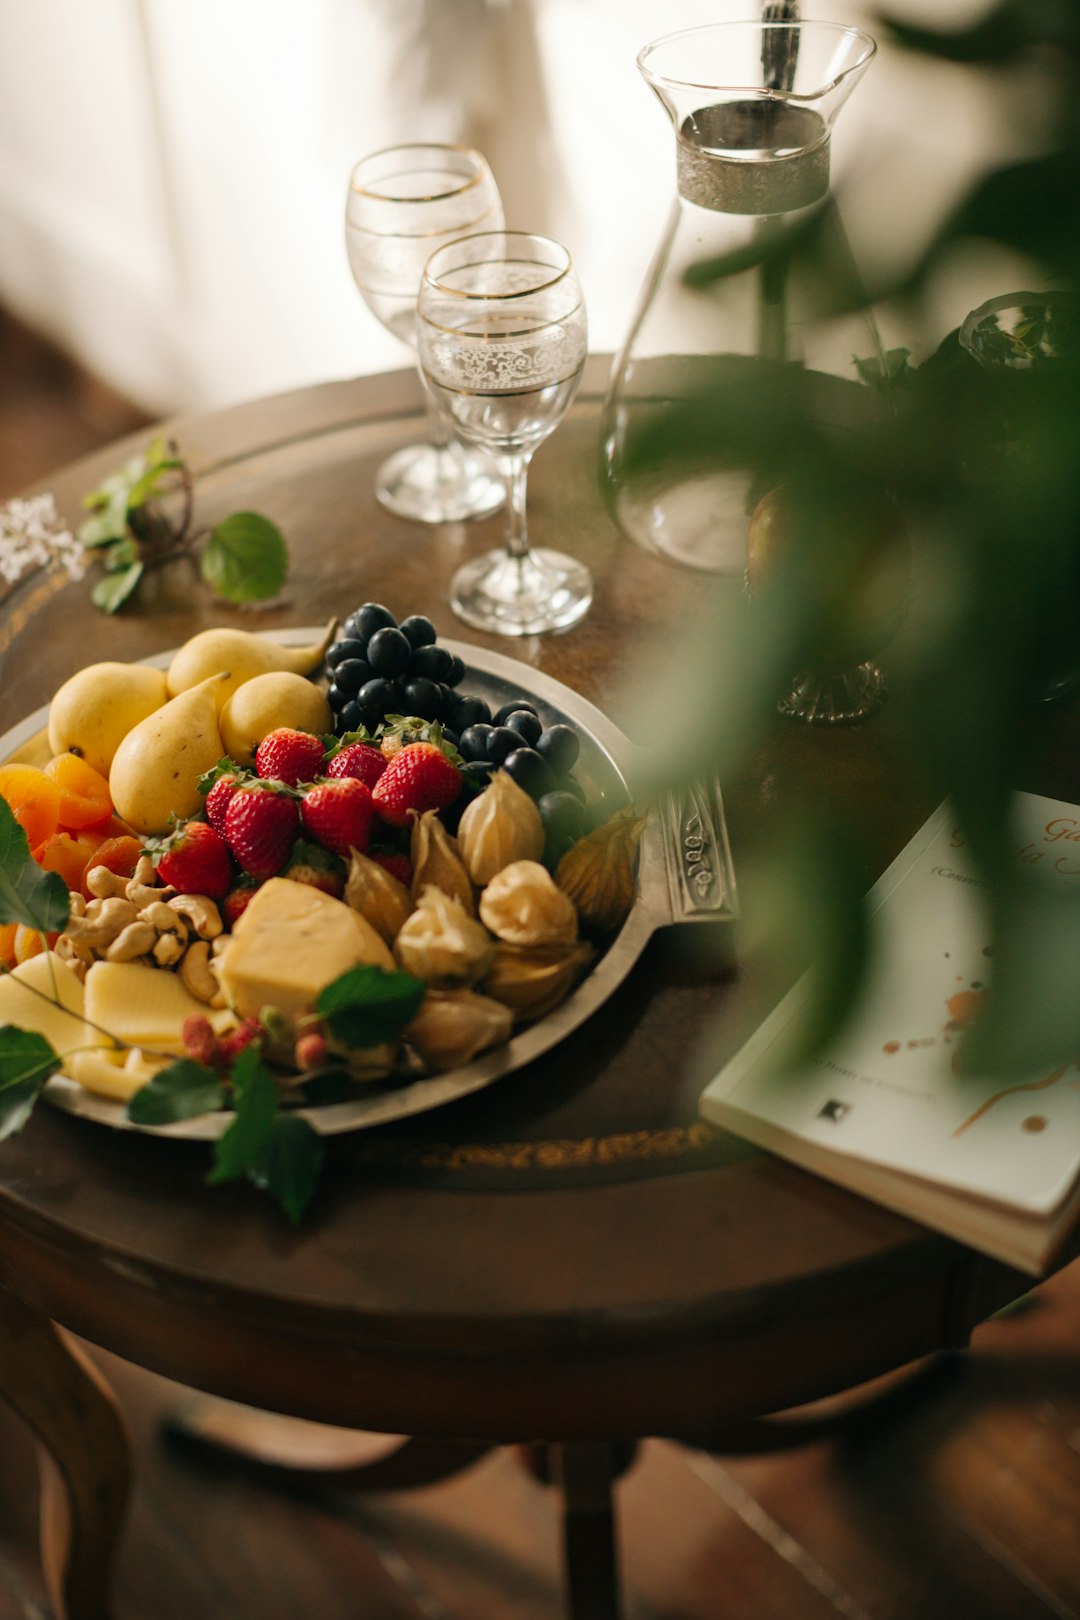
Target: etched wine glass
x=403 y=202
x=502 y=336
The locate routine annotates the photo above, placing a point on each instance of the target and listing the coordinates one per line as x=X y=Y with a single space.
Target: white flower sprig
x=32 y=535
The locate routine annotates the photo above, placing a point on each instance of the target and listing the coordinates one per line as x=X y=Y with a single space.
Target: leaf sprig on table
x=272 y=1147
x=143 y=516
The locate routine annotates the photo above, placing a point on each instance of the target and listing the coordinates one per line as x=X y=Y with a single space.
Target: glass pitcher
x=752 y=105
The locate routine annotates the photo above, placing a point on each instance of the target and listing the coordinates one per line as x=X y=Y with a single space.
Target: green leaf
x=367 y=1005
x=27 y=894
x=182 y=1091
x=103 y=528
x=292 y=1165
x=26 y=1062
x=112 y=592
x=245 y=1147
x=245 y=558
x=120 y=555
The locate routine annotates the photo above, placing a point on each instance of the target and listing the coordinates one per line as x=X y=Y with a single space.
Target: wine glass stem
x=437 y=431
x=515 y=471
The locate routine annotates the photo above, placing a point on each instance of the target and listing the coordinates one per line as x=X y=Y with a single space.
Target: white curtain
x=172 y=175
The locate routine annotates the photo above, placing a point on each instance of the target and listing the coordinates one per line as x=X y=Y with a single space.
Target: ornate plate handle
x=701 y=878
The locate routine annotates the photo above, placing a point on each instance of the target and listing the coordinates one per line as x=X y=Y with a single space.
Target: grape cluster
x=379 y=667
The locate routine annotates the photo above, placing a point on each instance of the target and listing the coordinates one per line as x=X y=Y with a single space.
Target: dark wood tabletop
x=569 y=1254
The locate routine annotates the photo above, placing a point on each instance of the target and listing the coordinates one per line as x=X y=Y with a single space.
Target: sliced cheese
x=45 y=996
x=146 y=1006
x=291 y=941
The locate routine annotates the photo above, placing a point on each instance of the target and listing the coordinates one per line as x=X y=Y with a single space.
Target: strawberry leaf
x=26 y=1062
x=27 y=894
x=367 y=1005
x=182 y=1091
x=245 y=558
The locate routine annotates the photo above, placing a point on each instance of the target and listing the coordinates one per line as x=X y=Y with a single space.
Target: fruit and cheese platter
x=318 y=880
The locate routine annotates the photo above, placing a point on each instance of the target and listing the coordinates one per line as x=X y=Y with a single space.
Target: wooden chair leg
x=83 y=1455
x=585 y=1471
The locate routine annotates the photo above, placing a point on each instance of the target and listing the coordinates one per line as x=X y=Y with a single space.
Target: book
x=992 y=1162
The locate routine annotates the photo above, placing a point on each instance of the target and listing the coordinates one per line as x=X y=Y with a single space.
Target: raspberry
x=200 y=1042
x=311 y=1050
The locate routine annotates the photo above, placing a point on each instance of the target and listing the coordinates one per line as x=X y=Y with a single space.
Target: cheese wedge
x=146 y=1006
x=59 y=1016
x=290 y=942
x=113 y=1072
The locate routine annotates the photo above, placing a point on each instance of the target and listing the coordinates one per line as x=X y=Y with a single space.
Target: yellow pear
x=95 y=709
x=156 y=770
x=266 y=702
x=242 y=653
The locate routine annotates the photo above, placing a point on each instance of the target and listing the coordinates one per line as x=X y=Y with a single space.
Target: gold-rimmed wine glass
x=502 y=336
x=403 y=202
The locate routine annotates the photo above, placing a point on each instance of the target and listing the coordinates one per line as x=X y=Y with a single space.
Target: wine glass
x=402 y=203
x=502 y=336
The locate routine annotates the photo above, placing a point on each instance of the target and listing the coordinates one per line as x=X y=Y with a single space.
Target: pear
x=244 y=654
x=156 y=770
x=266 y=702
x=93 y=712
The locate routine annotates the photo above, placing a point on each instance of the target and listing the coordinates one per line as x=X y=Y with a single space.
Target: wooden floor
x=960 y=1503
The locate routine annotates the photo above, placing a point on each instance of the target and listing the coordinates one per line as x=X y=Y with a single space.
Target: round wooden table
x=569 y=1256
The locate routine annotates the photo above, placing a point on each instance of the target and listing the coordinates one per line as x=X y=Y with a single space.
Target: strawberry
x=260 y=826
x=195 y=860
x=219 y=785
x=287 y=755
x=317 y=867
x=418 y=778
x=238 y=899
x=362 y=760
x=398 y=866
x=338 y=814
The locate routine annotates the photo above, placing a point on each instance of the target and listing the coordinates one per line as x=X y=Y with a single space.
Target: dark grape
x=434 y=662
x=530 y=771
x=388 y=652
x=470 y=711
x=423 y=698
x=447 y=696
x=420 y=631
x=363 y=624
x=336 y=698
x=457 y=672
x=560 y=746
x=569 y=784
x=351 y=717
x=343 y=649
x=350 y=676
x=526 y=724
x=450 y=736
x=474 y=742
x=564 y=822
x=381 y=696
x=502 y=741
x=508 y=709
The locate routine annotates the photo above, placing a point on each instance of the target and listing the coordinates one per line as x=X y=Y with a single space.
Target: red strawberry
x=398 y=866
x=338 y=815
x=196 y=860
x=261 y=826
x=362 y=760
x=286 y=755
x=317 y=867
x=418 y=778
x=238 y=899
x=219 y=785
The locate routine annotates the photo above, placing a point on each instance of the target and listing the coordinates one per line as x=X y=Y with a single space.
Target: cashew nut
x=200 y=911
x=76 y=904
x=136 y=940
x=145 y=871
x=104 y=883
x=196 y=974
x=76 y=953
x=165 y=919
x=169 y=949
x=102 y=923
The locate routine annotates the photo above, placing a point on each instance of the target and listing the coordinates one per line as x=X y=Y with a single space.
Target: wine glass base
x=432 y=484
x=522 y=596
x=836 y=700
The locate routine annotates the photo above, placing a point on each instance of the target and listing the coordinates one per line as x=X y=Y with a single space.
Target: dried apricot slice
x=120 y=855
x=7 y=944
x=28 y=943
x=84 y=792
x=33 y=799
x=69 y=854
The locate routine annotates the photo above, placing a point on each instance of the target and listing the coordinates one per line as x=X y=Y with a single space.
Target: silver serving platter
x=685 y=875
